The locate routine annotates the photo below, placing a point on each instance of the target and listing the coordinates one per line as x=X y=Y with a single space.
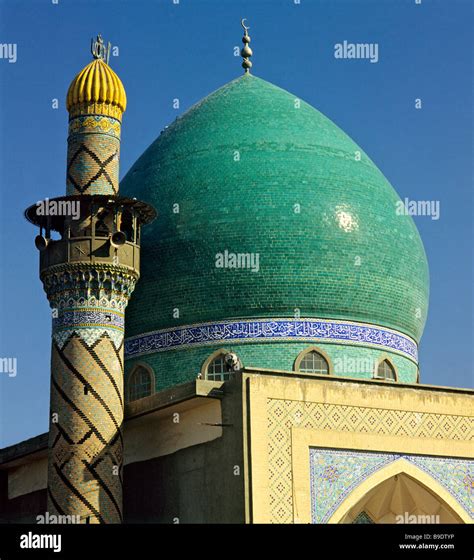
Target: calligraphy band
x=272 y=330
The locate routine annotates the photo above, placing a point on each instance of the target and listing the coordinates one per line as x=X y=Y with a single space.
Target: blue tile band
x=271 y=330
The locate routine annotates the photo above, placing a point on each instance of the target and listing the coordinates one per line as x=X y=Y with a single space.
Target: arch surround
x=319 y=351
x=386 y=358
x=398 y=467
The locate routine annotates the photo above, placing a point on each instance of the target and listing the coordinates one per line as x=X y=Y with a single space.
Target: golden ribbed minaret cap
x=97 y=89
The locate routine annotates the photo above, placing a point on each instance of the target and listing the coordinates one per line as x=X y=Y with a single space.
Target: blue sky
x=185 y=51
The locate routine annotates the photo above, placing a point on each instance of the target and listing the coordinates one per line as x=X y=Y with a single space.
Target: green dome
x=251 y=169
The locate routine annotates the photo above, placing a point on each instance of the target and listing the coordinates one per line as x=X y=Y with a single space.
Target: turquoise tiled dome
x=250 y=169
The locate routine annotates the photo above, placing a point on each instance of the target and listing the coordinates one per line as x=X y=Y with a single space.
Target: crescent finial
x=246 y=52
x=242 y=23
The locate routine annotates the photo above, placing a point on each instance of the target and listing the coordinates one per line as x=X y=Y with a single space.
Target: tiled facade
x=180 y=365
x=284 y=415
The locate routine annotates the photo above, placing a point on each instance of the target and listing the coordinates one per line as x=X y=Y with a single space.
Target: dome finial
x=97 y=90
x=246 y=52
x=99 y=50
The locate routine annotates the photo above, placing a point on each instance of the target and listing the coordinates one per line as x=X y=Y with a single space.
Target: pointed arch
x=316 y=350
x=385 y=358
x=400 y=466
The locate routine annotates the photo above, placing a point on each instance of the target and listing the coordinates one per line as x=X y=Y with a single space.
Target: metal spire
x=99 y=50
x=246 y=52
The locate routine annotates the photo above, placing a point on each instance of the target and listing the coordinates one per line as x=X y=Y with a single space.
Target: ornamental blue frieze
x=89 y=324
x=89 y=317
x=270 y=330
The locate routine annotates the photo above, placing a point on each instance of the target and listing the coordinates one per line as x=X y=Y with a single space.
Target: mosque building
x=235 y=327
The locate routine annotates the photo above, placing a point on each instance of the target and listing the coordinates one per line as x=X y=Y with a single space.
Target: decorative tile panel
x=334 y=474
x=285 y=414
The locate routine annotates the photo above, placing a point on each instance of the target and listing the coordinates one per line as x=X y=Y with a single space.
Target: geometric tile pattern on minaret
x=93 y=155
x=85 y=438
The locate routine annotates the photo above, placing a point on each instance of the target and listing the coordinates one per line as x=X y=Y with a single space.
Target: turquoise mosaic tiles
x=181 y=365
x=251 y=169
x=335 y=473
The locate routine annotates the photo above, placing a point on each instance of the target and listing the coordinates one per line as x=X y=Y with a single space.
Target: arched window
x=312 y=361
x=215 y=368
x=385 y=370
x=140 y=383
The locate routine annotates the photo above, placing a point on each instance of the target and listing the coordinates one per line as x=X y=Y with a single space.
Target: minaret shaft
x=86 y=444
x=85 y=438
x=93 y=155
x=89 y=275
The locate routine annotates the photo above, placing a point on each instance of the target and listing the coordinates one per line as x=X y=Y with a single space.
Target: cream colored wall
x=27 y=478
x=287 y=416
x=157 y=434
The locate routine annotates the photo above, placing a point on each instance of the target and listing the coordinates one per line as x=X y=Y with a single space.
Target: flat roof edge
x=24 y=448
x=336 y=378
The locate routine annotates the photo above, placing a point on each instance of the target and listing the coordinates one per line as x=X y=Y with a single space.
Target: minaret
x=89 y=275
